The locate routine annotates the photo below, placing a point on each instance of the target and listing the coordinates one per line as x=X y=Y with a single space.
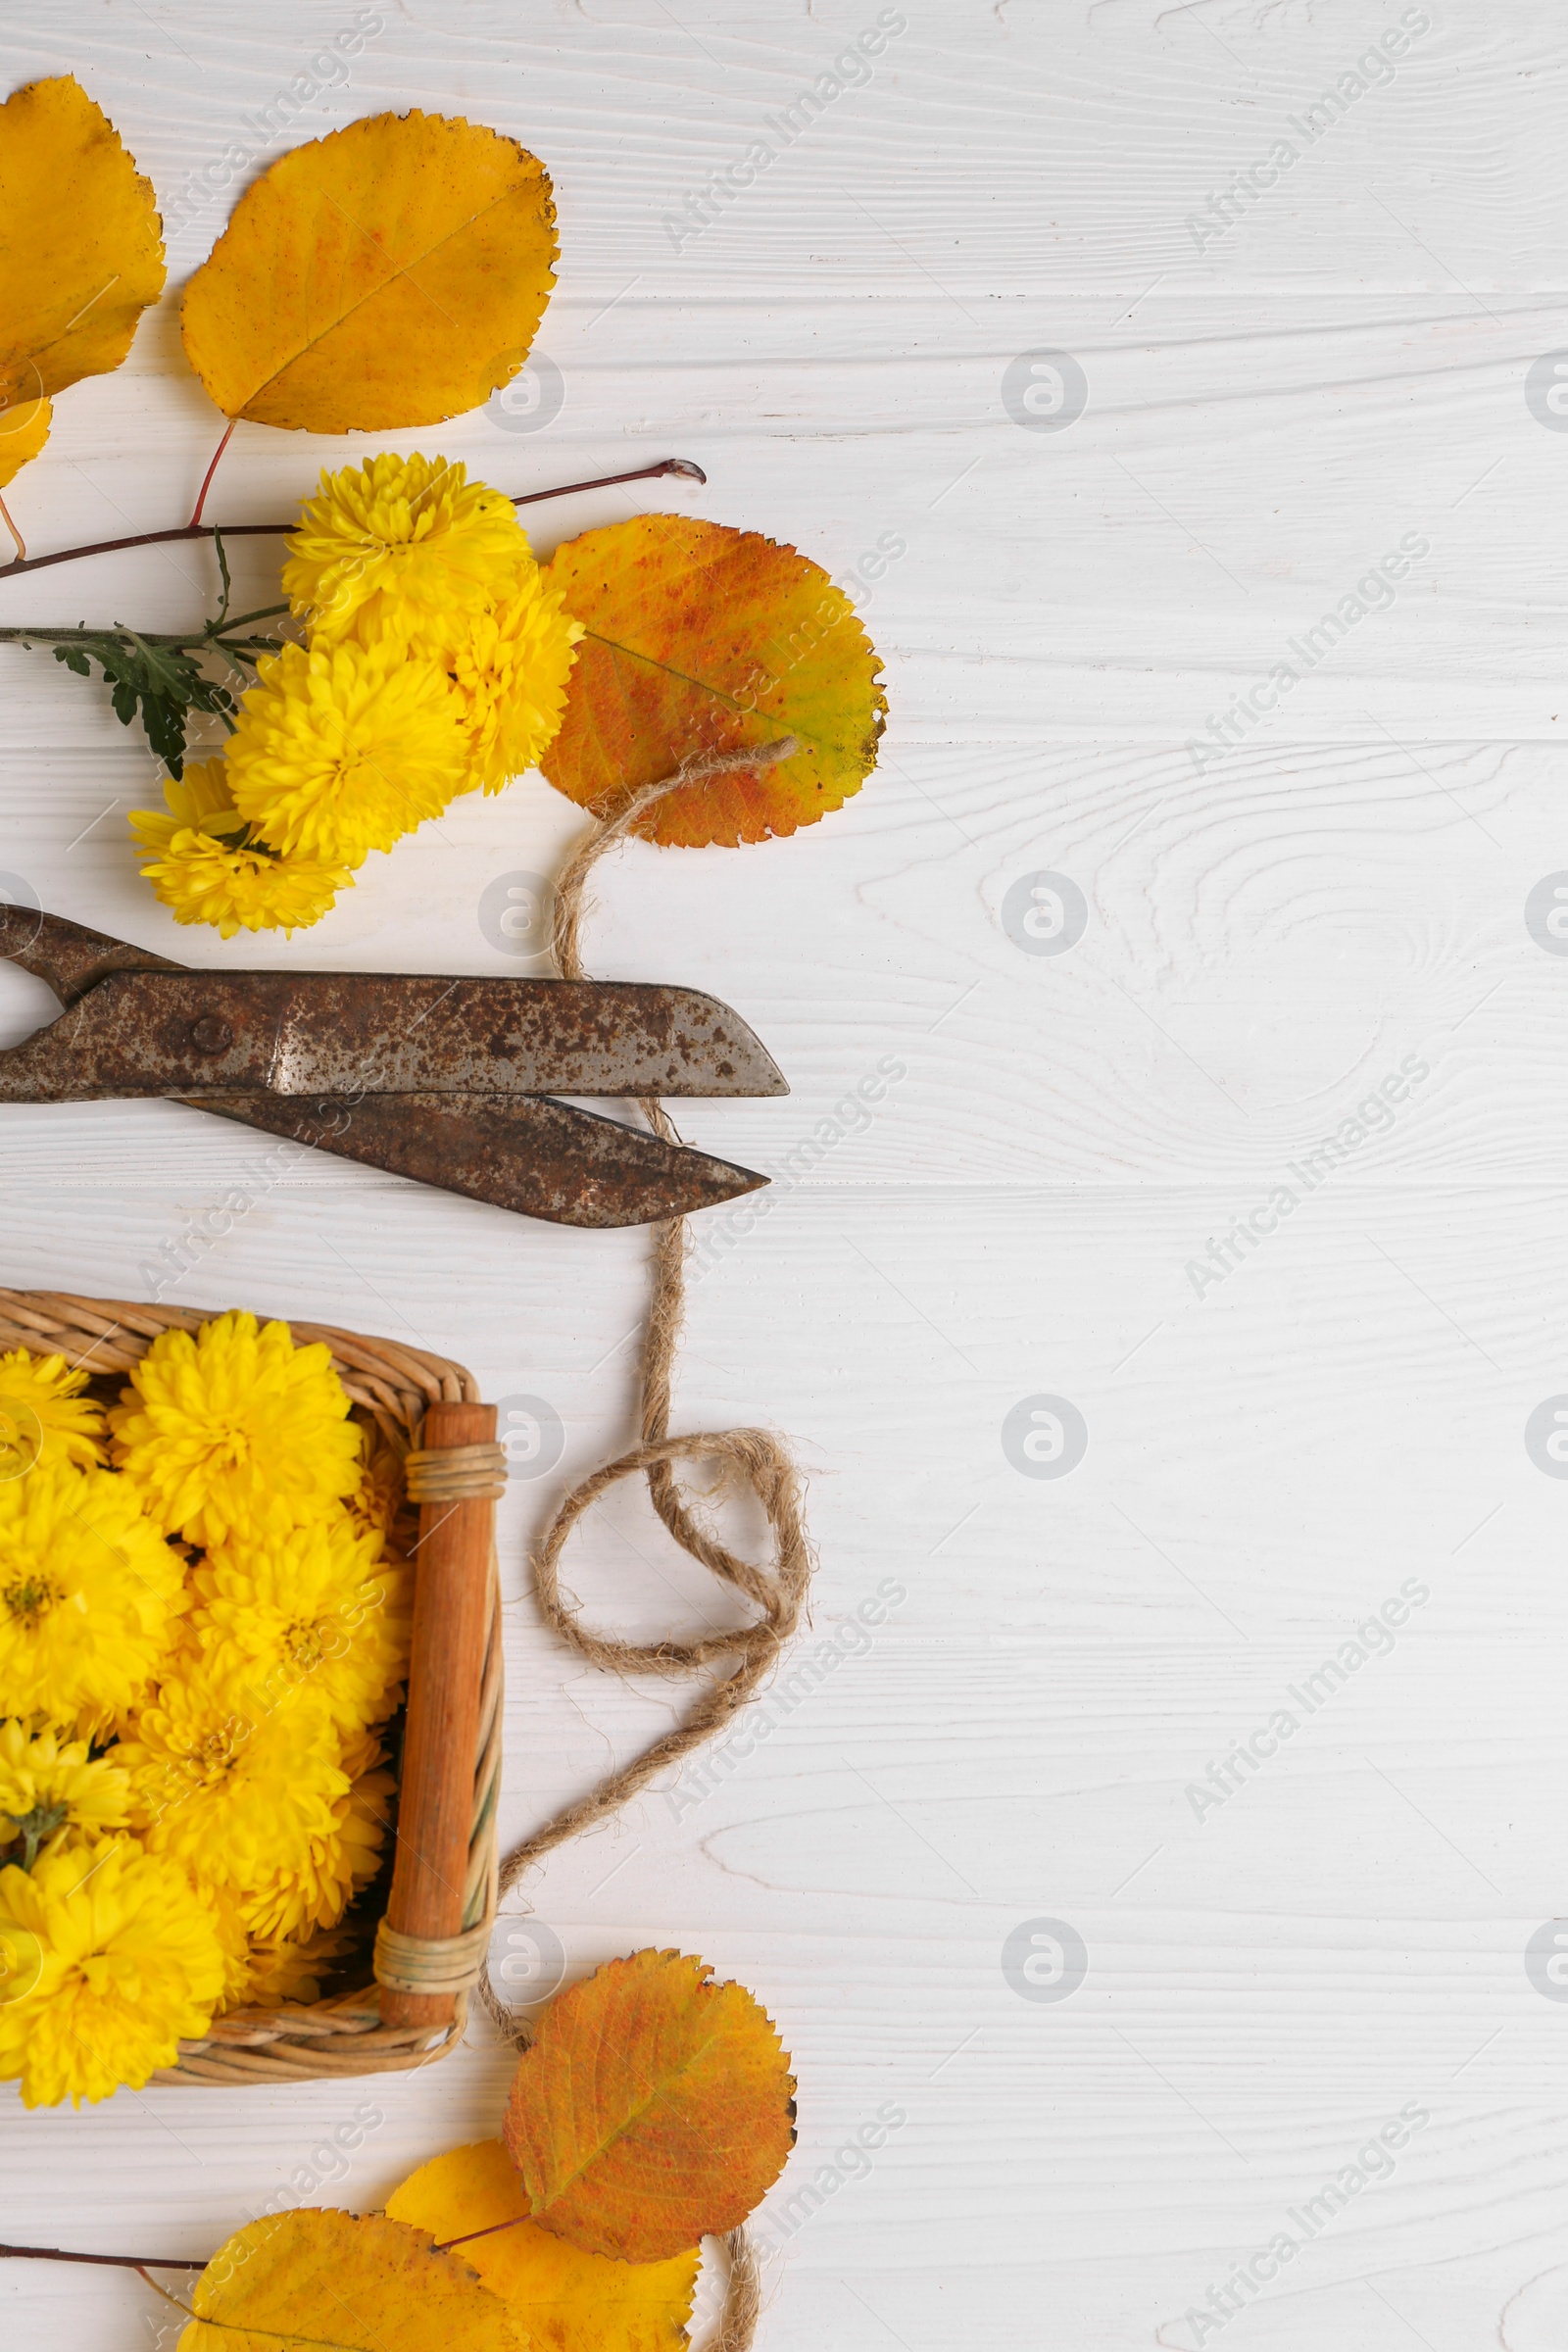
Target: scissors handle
x=68 y=956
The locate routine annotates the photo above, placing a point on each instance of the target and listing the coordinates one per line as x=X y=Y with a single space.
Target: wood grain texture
x=1054 y=1143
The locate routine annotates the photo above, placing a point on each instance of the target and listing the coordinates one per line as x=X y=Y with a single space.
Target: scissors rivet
x=209 y=1035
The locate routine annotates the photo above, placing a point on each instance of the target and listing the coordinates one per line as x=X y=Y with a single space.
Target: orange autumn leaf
x=325 y=2282
x=389 y=274
x=700 y=638
x=81 y=255
x=654 y=2107
x=561 y=2298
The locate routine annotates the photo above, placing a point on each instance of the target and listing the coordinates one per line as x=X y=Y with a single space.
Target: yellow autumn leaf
x=23 y=430
x=81 y=252
x=561 y=2298
x=701 y=638
x=313 y=2281
x=389 y=274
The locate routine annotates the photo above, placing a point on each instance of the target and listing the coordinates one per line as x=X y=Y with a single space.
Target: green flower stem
x=216 y=633
x=158 y=676
x=38 y=1826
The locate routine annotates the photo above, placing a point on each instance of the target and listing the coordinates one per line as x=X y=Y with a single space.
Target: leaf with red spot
x=700 y=638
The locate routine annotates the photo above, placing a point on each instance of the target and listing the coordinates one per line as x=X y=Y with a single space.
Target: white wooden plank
x=1272 y=1455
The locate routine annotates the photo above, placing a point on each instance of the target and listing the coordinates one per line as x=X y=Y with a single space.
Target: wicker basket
x=390 y=1386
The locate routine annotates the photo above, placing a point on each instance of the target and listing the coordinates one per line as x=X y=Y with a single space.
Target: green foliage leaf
x=161 y=684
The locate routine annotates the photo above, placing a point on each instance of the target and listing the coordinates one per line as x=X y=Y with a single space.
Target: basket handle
x=457 y=1475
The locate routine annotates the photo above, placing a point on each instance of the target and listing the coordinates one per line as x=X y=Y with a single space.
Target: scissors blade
x=524 y=1153
x=172 y=1032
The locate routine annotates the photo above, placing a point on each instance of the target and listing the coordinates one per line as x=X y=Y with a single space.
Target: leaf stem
x=118 y=2261
x=489 y=2231
x=685 y=468
x=147 y=2280
x=22 y=544
x=207 y=478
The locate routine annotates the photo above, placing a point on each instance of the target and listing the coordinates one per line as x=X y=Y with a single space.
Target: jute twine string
x=750 y=1456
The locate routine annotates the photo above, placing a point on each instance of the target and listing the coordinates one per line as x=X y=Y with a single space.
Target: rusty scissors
x=448 y=1081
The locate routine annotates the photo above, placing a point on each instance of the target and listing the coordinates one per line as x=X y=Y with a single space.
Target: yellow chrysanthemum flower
x=381 y=1502
x=201 y=881
x=209 y=865
x=108 y=1958
x=198 y=801
x=283 y=1971
x=344 y=749
x=306 y=1612
x=236 y=1430
x=363 y=1750
x=44 y=1416
x=234 y=1797
x=52 y=1793
x=89 y=1596
x=265 y=1972
x=316 y=1893
x=510 y=672
x=398 y=544
x=229 y=1920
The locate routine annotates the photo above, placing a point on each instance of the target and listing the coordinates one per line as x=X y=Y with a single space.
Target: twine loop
x=779 y=1592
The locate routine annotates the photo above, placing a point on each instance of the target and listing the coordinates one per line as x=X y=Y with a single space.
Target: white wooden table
x=1283 y=1434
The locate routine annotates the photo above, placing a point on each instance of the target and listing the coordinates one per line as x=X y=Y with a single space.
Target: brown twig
x=685 y=468
x=117 y=2262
